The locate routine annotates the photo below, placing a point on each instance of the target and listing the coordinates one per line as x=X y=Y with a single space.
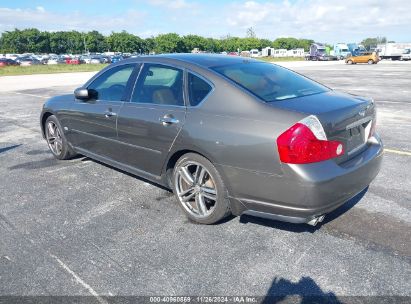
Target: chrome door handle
x=109 y=114
x=168 y=120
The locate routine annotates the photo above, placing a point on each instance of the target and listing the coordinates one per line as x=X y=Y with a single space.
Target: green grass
x=49 y=69
x=68 y=68
x=281 y=59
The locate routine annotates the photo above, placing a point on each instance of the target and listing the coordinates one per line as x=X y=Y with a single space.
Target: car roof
x=204 y=60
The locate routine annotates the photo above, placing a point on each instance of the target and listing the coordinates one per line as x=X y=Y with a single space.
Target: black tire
x=221 y=207
x=63 y=151
x=349 y=62
x=370 y=61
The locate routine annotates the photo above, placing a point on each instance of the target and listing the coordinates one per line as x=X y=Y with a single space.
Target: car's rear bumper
x=303 y=192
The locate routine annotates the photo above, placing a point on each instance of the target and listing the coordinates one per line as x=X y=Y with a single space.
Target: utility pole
x=85 y=46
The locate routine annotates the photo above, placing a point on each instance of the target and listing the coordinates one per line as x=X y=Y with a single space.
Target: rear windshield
x=270 y=82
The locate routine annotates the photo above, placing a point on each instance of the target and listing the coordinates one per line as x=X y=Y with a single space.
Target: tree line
x=74 y=42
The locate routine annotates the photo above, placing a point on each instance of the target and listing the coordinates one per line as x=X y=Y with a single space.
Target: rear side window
x=270 y=82
x=198 y=89
x=159 y=84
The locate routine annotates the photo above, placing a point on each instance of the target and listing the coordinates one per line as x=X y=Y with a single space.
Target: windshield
x=270 y=82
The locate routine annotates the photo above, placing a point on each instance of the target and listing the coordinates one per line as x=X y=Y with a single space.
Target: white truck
x=406 y=55
x=255 y=53
x=391 y=50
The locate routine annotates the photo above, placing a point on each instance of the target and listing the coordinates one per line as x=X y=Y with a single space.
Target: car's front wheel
x=200 y=189
x=56 y=140
x=349 y=62
x=370 y=61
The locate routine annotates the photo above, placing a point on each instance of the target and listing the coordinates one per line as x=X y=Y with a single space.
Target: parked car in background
x=96 y=59
x=106 y=59
x=74 y=60
x=86 y=58
x=363 y=57
x=227 y=134
x=12 y=56
x=27 y=61
x=53 y=60
x=8 y=62
x=61 y=60
x=115 y=59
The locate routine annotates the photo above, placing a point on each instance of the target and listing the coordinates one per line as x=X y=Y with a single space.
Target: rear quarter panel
x=233 y=129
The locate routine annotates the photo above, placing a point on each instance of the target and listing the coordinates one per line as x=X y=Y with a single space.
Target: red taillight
x=299 y=145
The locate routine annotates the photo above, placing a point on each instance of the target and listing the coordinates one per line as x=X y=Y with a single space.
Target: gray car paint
x=237 y=132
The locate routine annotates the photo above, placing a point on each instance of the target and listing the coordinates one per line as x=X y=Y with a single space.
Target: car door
x=92 y=123
x=149 y=123
x=362 y=58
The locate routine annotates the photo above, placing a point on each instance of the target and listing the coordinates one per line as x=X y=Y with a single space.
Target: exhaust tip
x=316 y=220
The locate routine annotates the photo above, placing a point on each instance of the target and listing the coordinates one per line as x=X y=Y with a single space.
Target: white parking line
x=32 y=95
x=398 y=152
x=79 y=280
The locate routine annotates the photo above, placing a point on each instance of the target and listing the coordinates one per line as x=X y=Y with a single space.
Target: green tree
x=124 y=42
x=372 y=42
x=169 y=43
x=95 y=42
x=149 y=45
x=25 y=41
x=286 y=43
x=247 y=44
x=194 y=41
x=35 y=41
x=66 y=42
x=305 y=44
x=231 y=44
x=265 y=43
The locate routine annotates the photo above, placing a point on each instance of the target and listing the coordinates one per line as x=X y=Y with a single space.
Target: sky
x=322 y=20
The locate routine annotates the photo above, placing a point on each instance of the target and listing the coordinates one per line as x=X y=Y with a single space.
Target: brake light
x=306 y=142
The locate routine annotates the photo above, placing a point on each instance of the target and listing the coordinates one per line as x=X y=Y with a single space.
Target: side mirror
x=85 y=94
x=81 y=94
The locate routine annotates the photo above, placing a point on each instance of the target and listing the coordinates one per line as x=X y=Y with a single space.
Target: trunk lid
x=344 y=117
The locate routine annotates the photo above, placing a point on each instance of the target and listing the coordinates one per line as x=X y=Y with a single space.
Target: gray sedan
x=228 y=135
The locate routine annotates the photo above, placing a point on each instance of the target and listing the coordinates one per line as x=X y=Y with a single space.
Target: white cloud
x=40 y=9
x=322 y=19
x=173 y=4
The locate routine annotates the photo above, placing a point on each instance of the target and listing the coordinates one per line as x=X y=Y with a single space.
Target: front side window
x=270 y=82
x=198 y=89
x=159 y=84
x=111 y=85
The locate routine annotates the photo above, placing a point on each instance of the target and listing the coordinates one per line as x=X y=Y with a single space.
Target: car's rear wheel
x=200 y=189
x=349 y=62
x=370 y=61
x=56 y=140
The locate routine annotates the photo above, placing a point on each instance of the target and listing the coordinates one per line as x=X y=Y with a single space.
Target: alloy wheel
x=54 y=139
x=196 y=189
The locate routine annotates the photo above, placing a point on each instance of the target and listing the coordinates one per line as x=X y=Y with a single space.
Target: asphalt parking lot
x=79 y=227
